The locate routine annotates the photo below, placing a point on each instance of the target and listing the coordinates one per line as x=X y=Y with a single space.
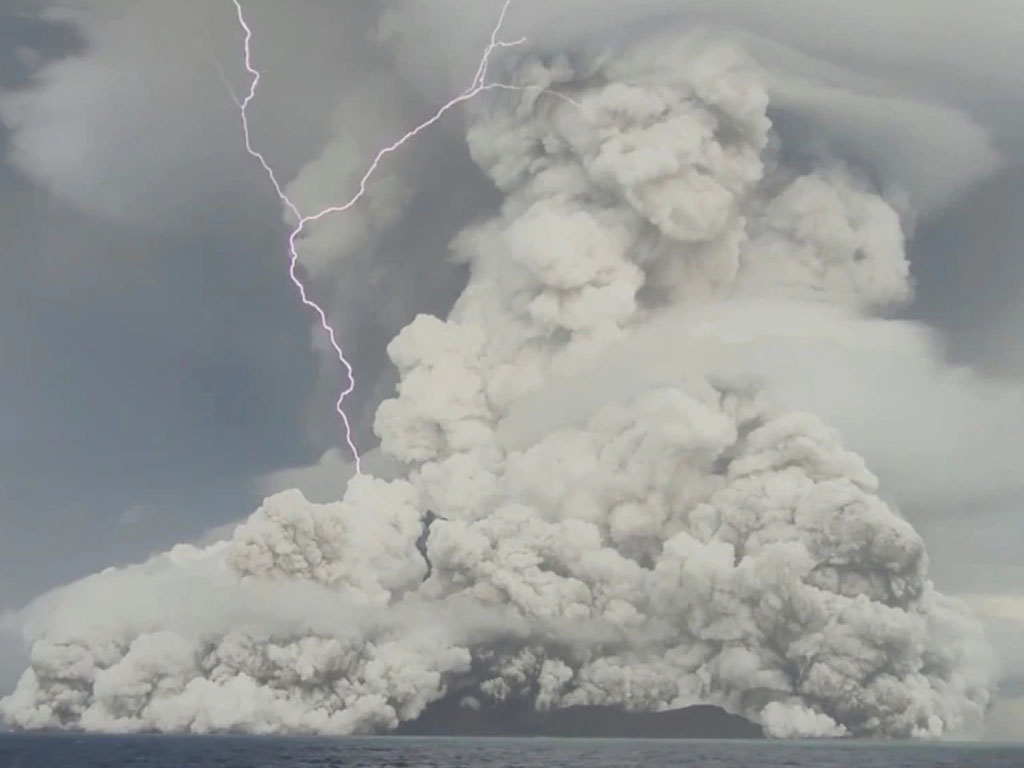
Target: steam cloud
x=691 y=542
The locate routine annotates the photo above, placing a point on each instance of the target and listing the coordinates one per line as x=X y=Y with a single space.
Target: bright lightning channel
x=478 y=85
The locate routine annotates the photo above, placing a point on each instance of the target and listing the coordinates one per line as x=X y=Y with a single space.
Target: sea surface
x=77 y=751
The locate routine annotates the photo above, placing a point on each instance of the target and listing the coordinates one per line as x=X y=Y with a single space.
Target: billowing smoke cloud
x=690 y=541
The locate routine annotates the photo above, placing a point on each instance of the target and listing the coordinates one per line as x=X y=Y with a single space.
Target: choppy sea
x=77 y=751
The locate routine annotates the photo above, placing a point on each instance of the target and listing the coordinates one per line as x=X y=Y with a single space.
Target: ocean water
x=76 y=751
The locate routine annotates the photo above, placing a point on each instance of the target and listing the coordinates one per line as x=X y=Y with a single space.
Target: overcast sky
x=147 y=374
x=155 y=365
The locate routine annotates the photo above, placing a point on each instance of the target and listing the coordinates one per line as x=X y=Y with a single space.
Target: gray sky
x=155 y=363
x=148 y=374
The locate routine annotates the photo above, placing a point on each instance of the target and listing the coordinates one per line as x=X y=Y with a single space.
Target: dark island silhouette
x=449 y=717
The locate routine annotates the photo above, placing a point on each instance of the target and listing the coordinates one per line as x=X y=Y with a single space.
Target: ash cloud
x=691 y=540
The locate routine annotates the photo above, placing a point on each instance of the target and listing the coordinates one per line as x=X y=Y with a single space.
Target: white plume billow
x=688 y=542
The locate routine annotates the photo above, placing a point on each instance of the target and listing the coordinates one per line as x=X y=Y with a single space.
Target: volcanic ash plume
x=690 y=543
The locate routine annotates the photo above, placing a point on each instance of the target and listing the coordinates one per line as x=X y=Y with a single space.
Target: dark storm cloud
x=970 y=277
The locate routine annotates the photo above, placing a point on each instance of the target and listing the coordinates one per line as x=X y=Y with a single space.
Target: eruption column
x=478 y=85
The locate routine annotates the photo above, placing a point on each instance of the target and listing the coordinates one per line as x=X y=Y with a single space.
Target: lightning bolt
x=478 y=86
